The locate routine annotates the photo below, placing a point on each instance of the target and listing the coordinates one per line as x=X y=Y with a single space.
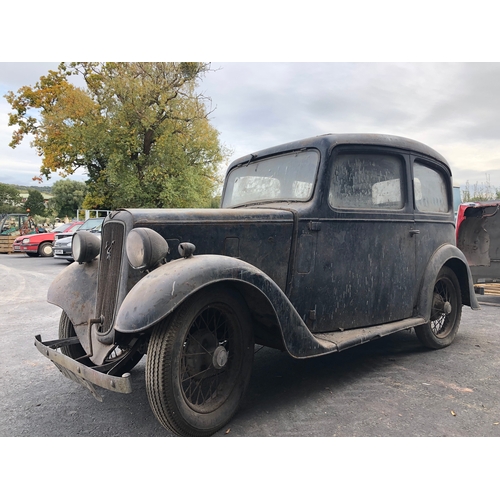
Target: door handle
x=414 y=231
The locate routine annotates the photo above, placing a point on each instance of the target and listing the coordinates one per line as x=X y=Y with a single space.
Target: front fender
x=452 y=257
x=75 y=290
x=165 y=288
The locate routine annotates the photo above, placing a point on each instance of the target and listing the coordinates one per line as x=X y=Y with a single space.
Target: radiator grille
x=109 y=273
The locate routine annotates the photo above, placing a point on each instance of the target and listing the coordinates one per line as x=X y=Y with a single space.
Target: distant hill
x=25 y=189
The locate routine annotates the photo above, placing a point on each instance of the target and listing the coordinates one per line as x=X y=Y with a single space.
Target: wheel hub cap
x=220 y=357
x=447 y=308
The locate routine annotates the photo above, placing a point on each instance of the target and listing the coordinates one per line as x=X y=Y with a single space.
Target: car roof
x=328 y=141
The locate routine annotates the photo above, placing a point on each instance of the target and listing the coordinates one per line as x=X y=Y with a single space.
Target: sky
x=451 y=107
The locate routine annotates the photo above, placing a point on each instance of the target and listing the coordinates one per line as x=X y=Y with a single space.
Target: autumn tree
x=10 y=199
x=35 y=203
x=67 y=197
x=140 y=131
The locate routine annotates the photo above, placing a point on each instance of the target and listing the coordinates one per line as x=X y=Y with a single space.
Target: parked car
x=40 y=244
x=319 y=245
x=478 y=236
x=63 y=244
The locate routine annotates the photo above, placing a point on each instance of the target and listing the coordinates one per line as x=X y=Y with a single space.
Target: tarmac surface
x=389 y=387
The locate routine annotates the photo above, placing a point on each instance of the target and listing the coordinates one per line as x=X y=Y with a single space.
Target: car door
x=364 y=267
x=434 y=219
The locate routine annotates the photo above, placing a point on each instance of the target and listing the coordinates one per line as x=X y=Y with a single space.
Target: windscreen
x=288 y=177
x=90 y=224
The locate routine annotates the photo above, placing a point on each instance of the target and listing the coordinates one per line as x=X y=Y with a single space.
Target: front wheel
x=45 y=250
x=128 y=356
x=199 y=363
x=446 y=312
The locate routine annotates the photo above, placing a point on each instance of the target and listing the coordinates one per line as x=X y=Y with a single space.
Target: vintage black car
x=319 y=245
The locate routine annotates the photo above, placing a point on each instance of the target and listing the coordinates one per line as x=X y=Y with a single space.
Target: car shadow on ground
x=278 y=378
x=278 y=382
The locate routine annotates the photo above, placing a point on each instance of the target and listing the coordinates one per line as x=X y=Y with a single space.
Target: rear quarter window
x=430 y=189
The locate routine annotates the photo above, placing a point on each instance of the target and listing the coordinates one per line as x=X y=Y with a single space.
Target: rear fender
x=452 y=257
x=161 y=291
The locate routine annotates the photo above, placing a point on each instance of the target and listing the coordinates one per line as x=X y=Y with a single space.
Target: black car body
x=319 y=245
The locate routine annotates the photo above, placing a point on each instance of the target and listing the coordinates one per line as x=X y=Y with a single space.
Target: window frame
x=274 y=200
x=401 y=155
x=447 y=181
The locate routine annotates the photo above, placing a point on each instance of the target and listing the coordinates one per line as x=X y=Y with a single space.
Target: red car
x=41 y=244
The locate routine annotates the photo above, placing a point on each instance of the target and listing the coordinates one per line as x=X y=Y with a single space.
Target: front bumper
x=62 y=253
x=25 y=248
x=78 y=372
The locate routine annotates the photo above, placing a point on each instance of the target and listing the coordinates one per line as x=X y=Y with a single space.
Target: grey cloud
x=14 y=75
x=452 y=107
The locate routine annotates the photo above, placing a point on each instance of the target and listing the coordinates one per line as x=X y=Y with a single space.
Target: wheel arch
x=267 y=329
x=163 y=290
x=453 y=258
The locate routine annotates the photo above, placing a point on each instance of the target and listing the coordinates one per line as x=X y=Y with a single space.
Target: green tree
x=35 y=203
x=140 y=130
x=10 y=199
x=67 y=197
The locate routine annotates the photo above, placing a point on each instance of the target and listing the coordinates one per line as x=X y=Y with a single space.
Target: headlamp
x=145 y=248
x=86 y=246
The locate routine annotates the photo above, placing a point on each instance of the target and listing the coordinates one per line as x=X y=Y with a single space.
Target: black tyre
x=76 y=351
x=66 y=331
x=45 y=250
x=199 y=363
x=446 y=312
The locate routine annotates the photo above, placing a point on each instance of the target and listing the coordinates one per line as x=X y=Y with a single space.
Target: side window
x=430 y=189
x=368 y=181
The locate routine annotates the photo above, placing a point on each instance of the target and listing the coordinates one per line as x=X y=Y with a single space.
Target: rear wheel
x=199 y=363
x=45 y=250
x=446 y=312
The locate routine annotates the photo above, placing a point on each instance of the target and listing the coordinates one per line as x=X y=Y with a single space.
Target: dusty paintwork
x=328 y=243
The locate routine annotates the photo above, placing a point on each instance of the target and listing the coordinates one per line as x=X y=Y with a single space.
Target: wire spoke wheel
x=446 y=312
x=199 y=363
x=210 y=357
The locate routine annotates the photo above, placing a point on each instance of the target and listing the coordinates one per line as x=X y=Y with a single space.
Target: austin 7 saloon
x=319 y=245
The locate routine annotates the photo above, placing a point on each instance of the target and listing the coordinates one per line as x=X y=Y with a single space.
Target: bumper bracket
x=78 y=372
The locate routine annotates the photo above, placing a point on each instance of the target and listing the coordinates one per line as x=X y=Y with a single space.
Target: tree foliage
x=67 y=197
x=35 y=203
x=10 y=199
x=140 y=130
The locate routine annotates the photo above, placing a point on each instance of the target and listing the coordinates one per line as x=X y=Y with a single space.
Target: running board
x=350 y=338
